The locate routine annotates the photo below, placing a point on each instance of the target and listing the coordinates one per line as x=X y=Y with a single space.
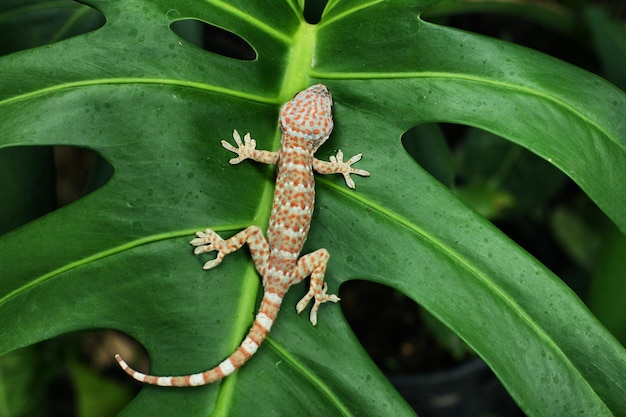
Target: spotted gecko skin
x=306 y=123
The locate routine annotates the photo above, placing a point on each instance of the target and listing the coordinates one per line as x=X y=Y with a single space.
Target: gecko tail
x=192 y=380
x=257 y=334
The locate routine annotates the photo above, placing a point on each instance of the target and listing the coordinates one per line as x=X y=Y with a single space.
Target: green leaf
x=609 y=38
x=21 y=390
x=608 y=284
x=155 y=107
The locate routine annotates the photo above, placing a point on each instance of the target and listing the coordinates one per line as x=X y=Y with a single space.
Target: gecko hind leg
x=314 y=264
x=208 y=241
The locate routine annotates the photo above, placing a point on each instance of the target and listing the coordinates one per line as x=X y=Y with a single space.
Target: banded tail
x=257 y=334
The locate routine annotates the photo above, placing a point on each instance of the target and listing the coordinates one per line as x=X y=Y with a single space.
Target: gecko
x=305 y=123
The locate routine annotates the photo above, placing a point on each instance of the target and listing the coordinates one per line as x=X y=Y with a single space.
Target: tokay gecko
x=305 y=123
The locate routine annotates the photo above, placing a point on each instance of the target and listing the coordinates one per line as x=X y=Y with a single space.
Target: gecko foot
x=320 y=297
x=345 y=168
x=208 y=241
x=243 y=150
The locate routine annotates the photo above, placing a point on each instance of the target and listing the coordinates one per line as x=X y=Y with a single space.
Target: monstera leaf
x=155 y=107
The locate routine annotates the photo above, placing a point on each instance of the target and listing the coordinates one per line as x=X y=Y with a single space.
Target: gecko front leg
x=247 y=150
x=338 y=166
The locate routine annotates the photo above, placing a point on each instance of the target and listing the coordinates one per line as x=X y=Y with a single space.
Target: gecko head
x=308 y=116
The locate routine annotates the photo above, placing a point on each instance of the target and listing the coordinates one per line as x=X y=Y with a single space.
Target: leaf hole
x=494 y=176
x=24 y=26
x=394 y=330
x=65 y=369
x=313 y=10
x=214 y=39
x=428 y=146
x=36 y=180
x=520 y=192
x=430 y=366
